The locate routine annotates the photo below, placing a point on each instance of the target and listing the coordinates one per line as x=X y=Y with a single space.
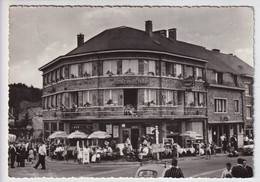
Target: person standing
x=42 y=154
x=239 y=171
x=208 y=151
x=12 y=152
x=227 y=172
x=174 y=171
x=22 y=156
x=249 y=169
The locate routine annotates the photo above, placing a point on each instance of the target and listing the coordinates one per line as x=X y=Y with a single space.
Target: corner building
x=126 y=81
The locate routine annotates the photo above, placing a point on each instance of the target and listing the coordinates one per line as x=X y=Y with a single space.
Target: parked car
x=248 y=149
x=152 y=171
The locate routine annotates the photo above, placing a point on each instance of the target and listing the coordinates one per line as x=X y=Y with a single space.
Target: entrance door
x=126 y=133
x=130 y=97
x=134 y=137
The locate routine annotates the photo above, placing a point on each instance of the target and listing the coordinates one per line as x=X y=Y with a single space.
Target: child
x=227 y=172
x=31 y=155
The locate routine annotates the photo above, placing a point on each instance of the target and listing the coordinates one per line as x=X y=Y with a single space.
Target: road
x=191 y=167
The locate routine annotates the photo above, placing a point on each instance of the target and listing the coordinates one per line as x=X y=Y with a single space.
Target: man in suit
x=239 y=171
x=12 y=152
x=174 y=171
x=249 y=169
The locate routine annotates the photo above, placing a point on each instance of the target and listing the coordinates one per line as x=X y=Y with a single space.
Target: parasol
x=99 y=135
x=11 y=138
x=77 y=134
x=58 y=134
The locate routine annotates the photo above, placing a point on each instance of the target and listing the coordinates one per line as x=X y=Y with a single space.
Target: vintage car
x=248 y=149
x=152 y=171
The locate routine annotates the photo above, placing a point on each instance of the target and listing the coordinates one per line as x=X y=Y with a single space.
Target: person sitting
x=227 y=172
x=144 y=152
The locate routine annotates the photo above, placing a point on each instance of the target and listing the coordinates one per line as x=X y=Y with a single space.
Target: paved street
x=191 y=166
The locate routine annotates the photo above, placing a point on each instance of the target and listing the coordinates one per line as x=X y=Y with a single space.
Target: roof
x=32 y=112
x=127 y=38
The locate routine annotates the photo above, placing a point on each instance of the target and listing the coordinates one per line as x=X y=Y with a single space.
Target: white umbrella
x=77 y=134
x=58 y=134
x=99 y=135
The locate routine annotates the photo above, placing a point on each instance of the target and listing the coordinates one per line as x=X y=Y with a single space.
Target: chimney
x=172 y=33
x=162 y=32
x=215 y=50
x=149 y=28
x=80 y=39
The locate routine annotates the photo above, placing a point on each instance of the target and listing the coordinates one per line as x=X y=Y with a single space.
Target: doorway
x=134 y=137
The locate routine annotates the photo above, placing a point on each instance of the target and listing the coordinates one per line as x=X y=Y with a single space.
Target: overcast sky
x=40 y=34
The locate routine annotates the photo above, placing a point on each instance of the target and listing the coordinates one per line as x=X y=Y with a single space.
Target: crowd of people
x=24 y=153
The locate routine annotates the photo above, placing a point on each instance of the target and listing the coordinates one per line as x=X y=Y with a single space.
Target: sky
x=37 y=35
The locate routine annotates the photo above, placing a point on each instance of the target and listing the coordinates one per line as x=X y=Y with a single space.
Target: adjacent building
x=126 y=81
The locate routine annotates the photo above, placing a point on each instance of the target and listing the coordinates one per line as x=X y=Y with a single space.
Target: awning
x=224 y=122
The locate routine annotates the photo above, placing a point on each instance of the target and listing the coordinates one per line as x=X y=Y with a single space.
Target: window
x=111 y=97
x=189 y=71
x=62 y=73
x=150 y=96
x=87 y=69
x=190 y=99
x=73 y=99
x=149 y=67
x=248 y=89
x=248 y=112
x=74 y=71
x=199 y=74
x=49 y=78
x=87 y=98
x=53 y=101
x=53 y=127
x=179 y=70
x=46 y=126
x=235 y=80
x=200 y=99
x=130 y=67
x=110 y=67
x=58 y=75
x=236 y=104
x=61 y=127
x=169 y=97
x=219 y=78
x=220 y=105
x=63 y=99
x=53 y=76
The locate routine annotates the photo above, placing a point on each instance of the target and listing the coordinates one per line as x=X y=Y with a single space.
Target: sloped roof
x=126 y=38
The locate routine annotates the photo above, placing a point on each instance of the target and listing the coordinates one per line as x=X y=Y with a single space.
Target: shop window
x=111 y=97
x=248 y=112
x=74 y=71
x=248 y=89
x=199 y=73
x=190 y=99
x=130 y=67
x=149 y=67
x=220 y=105
x=110 y=67
x=87 y=128
x=173 y=128
x=87 y=98
x=236 y=104
x=149 y=97
x=219 y=78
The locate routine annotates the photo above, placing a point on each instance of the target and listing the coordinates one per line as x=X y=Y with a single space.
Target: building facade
x=126 y=81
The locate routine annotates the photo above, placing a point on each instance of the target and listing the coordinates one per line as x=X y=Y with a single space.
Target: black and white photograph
x=136 y=92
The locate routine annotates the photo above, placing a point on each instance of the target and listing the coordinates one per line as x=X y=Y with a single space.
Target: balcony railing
x=122 y=112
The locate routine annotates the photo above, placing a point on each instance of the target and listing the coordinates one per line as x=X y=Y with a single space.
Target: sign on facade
x=109 y=128
x=149 y=130
x=115 y=131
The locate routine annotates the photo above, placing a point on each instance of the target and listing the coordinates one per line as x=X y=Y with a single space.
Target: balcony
x=119 y=112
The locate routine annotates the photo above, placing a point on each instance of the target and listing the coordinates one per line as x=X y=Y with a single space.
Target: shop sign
x=115 y=131
x=158 y=147
x=188 y=82
x=131 y=81
x=134 y=127
x=85 y=157
x=109 y=128
x=149 y=130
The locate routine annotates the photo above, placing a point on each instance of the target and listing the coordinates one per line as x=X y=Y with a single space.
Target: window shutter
x=67 y=71
x=157 y=67
x=80 y=69
x=141 y=67
x=119 y=67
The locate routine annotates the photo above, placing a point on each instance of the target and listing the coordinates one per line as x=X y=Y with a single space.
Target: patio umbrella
x=58 y=134
x=99 y=135
x=77 y=134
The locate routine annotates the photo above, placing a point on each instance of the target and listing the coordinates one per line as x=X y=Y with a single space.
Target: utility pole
x=157 y=141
